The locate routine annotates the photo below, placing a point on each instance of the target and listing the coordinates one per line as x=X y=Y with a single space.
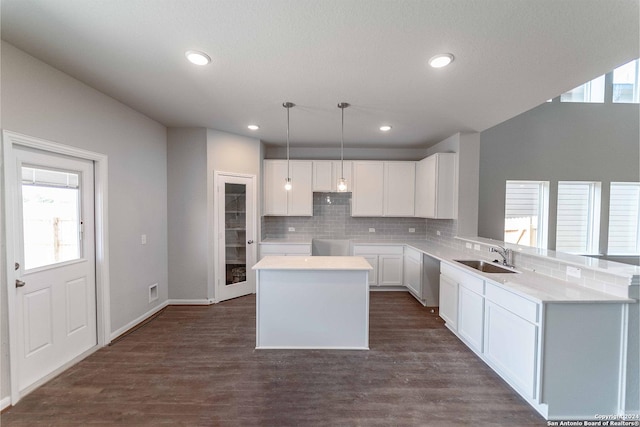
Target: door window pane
x=525 y=213
x=50 y=217
x=624 y=216
x=592 y=91
x=235 y=233
x=626 y=82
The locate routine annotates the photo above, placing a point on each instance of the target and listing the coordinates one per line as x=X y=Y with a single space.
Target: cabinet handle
x=19 y=283
x=250 y=242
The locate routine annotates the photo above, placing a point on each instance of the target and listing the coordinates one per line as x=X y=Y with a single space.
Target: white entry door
x=236 y=212
x=55 y=290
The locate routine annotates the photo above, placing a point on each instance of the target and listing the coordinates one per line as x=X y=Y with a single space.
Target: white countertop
x=312 y=263
x=531 y=285
x=270 y=241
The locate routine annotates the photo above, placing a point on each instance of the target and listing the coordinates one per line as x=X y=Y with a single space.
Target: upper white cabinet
x=436 y=186
x=368 y=187
x=296 y=202
x=326 y=174
x=399 y=188
x=383 y=188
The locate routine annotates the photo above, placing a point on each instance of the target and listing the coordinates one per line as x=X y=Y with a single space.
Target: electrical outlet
x=438 y=232
x=468 y=245
x=292 y=229
x=143 y=239
x=412 y=230
x=574 y=272
x=372 y=230
x=476 y=247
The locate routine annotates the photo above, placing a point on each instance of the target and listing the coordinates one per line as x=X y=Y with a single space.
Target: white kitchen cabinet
x=386 y=261
x=327 y=173
x=412 y=272
x=285 y=249
x=296 y=202
x=323 y=176
x=368 y=188
x=436 y=186
x=448 y=309
x=399 y=188
x=470 y=317
x=510 y=345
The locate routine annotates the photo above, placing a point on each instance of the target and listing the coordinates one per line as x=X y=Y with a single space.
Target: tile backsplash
x=332 y=220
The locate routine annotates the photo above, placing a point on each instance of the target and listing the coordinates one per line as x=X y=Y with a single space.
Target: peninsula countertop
x=312 y=263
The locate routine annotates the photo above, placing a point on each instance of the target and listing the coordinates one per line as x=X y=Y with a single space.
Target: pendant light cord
x=288 y=170
x=342 y=146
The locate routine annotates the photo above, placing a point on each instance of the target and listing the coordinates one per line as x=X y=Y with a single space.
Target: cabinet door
x=412 y=274
x=301 y=195
x=338 y=171
x=449 y=301
x=323 y=176
x=435 y=186
x=510 y=345
x=399 y=188
x=275 y=196
x=470 y=317
x=373 y=274
x=368 y=188
x=390 y=270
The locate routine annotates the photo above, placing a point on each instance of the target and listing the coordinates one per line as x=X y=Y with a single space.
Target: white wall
x=332 y=152
x=187 y=209
x=40 y=101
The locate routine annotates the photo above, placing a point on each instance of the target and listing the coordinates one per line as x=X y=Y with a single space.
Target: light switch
x=143 y=239
x=412 y=230
x=292 y=229
x=372 y=230
x=476 y=247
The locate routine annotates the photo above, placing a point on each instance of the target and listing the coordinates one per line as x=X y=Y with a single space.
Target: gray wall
x=40 y=101
x=557 y=142
x=187 y=210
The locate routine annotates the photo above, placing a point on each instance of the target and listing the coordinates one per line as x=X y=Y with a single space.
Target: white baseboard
x=115 y=334
x=5 y=402
x=191 y=301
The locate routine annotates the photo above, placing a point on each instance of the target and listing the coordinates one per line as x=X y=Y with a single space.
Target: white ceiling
x=511 y=55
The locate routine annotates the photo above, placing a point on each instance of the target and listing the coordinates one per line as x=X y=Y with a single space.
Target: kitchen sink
x=485 y=266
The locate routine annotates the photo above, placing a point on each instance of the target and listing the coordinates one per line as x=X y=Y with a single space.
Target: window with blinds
x=578 y=217
x=526 y=213
x=624 y=216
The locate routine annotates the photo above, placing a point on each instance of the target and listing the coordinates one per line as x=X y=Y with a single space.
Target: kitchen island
x=319 y=302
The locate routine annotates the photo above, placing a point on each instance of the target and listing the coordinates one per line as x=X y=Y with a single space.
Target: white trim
x=191 y=301
x=135 y=322
x=103 y=312
x=5 y=403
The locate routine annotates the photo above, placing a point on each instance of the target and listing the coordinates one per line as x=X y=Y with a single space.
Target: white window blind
x=578 y=219
x=624 y=216
x=525 y=213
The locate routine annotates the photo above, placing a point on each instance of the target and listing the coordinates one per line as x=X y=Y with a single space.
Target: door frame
x=214 y=269
x=103 y=314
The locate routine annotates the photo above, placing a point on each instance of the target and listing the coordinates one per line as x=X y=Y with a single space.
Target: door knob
x=250 y=242
x=19 y=283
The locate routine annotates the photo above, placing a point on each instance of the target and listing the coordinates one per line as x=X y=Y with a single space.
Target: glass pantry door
x=236 y=218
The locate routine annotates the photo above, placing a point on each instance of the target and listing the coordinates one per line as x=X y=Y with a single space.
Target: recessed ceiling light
x=441 y=60
x=385 y=128
x=197 y=57
x=253 y=127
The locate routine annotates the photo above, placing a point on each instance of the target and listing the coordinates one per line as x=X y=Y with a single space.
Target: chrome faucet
x=506 y=254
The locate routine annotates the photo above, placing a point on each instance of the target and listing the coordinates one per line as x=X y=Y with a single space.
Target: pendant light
x=342 y=183
x=287 y=181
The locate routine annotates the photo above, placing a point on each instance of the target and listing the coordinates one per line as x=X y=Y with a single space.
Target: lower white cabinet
x=511 y=347
x=285 y=249
x=386 y=261
x=448 y=309
x=470 y=317
x=412 y=272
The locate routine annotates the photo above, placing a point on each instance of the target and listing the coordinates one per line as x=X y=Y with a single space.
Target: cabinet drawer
x=469 y=281
x=516 y=304
x=377 y=250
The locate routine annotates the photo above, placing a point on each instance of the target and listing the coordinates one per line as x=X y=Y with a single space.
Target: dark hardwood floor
x=197 y=366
